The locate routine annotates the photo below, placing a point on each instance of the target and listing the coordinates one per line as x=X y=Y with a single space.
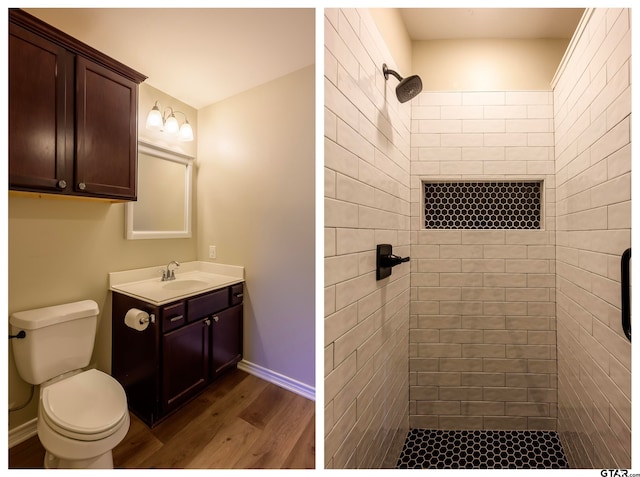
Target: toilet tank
x=58 y=339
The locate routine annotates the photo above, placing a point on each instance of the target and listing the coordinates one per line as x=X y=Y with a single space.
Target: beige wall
x=592 y=100
x=148 y=95
x=473 y=64
x=366 y=202
x=487 y=64
x=62 y=249
x=256 y=204
x=391 y=27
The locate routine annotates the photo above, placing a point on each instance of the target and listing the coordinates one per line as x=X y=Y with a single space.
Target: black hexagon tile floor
x=443 y=449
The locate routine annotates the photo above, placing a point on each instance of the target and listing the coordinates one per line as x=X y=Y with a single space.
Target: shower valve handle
x=393 y=260
x=386 y=260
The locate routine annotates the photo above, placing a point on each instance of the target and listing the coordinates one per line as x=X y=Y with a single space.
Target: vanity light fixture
x=168 y=123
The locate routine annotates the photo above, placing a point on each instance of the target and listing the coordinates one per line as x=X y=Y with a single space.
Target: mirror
x=163 y=208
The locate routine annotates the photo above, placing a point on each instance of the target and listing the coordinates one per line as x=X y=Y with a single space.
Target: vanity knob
x=207 y=322
x=62 y=184
x=216 y=318
x=82 y=186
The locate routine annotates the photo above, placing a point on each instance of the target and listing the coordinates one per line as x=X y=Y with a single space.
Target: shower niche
x=483 y=205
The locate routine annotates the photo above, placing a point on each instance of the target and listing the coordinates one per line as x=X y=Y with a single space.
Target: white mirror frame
x=169 y=155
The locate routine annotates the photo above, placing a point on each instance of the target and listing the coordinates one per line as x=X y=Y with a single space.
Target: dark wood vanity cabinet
x=185 y=362
x=72 y=115
x=226 y=340
x=190 y=344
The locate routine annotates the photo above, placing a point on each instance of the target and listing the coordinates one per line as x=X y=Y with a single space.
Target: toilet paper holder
x=138 y=320
x=148 y=319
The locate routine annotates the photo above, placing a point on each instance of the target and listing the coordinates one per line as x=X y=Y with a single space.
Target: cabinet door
x=226 y=339
x=40 y=113
x=185 y=363
x=106 y=132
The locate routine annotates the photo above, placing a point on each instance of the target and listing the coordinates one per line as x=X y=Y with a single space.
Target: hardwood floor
x=238 y=422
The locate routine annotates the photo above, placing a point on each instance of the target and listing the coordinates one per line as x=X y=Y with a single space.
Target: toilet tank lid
x=50 y=315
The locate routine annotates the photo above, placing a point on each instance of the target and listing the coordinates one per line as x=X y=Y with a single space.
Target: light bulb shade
x=186 y=133
x=154 y=119
x=171 y=126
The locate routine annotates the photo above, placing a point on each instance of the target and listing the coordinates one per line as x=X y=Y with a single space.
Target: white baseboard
x=23 y=432
x=278 y=379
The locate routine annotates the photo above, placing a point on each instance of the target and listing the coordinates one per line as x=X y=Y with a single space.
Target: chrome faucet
x=169 y=274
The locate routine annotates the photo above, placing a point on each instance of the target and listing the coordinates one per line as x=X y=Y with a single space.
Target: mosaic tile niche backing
x=482 y=205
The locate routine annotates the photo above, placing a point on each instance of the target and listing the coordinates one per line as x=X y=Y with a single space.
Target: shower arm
x=386 y=71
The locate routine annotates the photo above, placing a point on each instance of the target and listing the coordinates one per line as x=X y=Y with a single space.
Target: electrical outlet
x=212 y=251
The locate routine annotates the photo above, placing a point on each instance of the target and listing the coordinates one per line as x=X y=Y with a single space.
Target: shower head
x=408 y=88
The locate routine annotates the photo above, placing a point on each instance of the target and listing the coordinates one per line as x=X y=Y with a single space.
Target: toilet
x=82 y=414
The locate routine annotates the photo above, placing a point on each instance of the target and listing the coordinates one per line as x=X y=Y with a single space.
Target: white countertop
x=192 y=278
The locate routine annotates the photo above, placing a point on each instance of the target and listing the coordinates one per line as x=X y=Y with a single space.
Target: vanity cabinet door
x=226 y=339
x=185 y=363
x=40 y=113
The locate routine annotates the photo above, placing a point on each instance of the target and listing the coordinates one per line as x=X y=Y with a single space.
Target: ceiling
x=461 y=23
x=203 y=55
x=197 y=55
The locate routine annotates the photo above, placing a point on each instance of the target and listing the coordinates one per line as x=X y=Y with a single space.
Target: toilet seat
x=88 y=406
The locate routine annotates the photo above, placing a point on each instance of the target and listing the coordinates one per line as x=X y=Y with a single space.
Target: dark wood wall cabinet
x=190 y=344
x=73 y=115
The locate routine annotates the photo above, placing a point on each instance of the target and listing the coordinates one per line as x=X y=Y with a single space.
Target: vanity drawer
x=173 y=316
x=207 y=304
x=236 y=293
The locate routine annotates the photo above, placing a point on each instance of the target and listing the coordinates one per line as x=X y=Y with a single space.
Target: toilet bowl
x=82 y=414
x=81 y=419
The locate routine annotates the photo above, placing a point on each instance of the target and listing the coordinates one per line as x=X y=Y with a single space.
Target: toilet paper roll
x=137 y=319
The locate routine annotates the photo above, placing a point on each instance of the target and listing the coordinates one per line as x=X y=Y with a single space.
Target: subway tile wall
x=366 y=326
x=482 y=316
x=477 y=307
x=592 y=99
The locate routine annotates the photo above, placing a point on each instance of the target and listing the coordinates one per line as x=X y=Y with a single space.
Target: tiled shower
x=510 y=328
x=482 y=343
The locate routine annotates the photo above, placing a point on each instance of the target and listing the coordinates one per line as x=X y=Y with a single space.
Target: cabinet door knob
x=207 y=322
x=216 y=318
x=82 y=186
x=62 y=184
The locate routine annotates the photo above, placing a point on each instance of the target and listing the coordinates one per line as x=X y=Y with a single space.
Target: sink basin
x=184 y=284
x=192 y=278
